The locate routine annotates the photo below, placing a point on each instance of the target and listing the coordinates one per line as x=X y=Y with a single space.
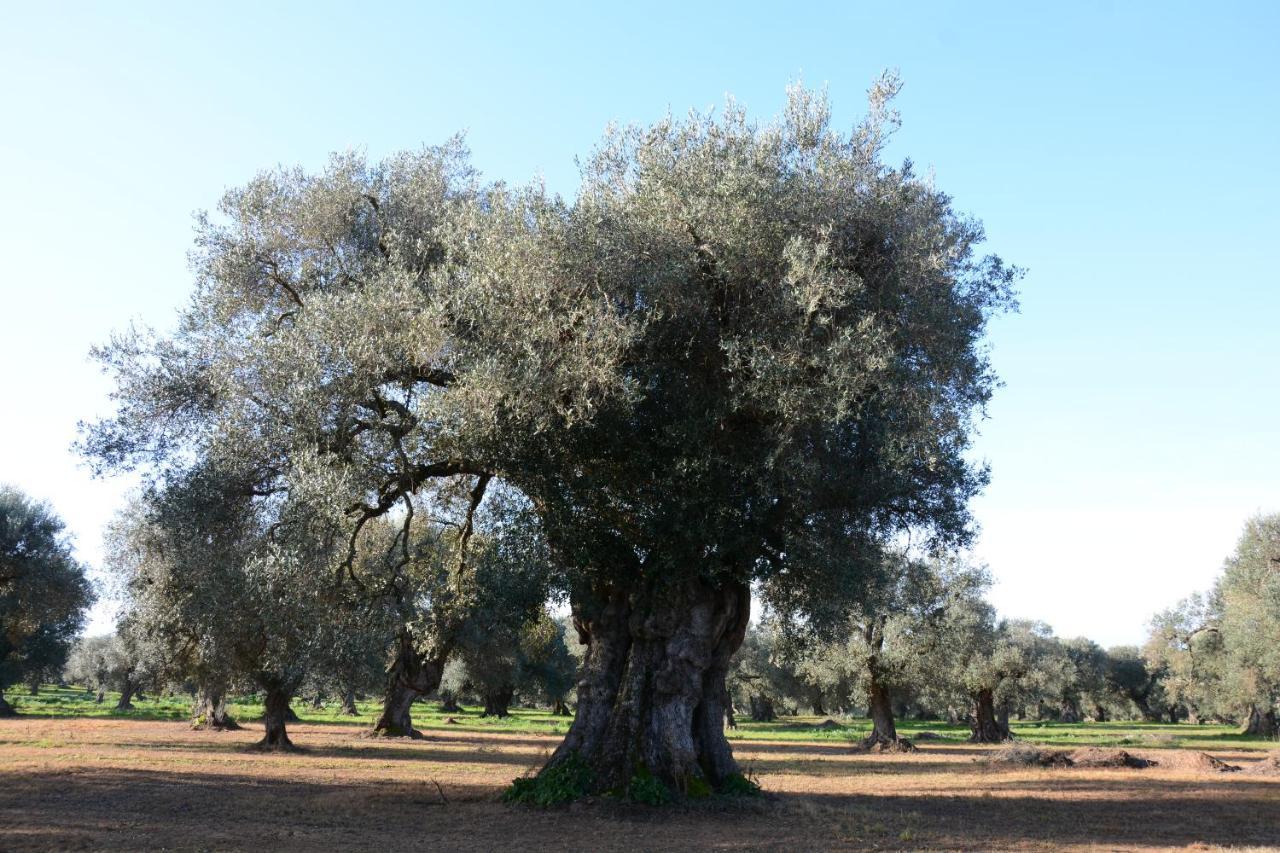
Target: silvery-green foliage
x=749 y=352
x=1248 y=597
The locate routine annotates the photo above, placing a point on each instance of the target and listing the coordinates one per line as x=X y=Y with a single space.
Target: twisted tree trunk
x=651 y=694
x=348 y=708
x=762 y=710
x=498 y=703
x=209 y=711
x=274 y=719
x=6 y=710
x=986 y=728
x=1069 y=711
x=1258 y=724
x=126 y=695
x=884 y=732
x=560 y=709
x=412 y=674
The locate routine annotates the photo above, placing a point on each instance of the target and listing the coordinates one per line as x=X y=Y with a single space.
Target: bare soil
x=120 y=784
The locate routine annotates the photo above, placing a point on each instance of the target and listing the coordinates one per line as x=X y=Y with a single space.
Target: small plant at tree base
x=559 y=784
x=740 y=785
x=646 y=788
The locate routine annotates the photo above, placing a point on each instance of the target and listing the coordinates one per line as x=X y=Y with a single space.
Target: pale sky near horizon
x=1124 y=153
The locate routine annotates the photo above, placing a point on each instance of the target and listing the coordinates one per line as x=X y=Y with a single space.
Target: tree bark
x=449 y=702
x=1258 y=724
x=498 y=703
x=209 y=711
x=412 y=674
x=1099 y=714
x=33 y=687
x=126 y=695
x=985 y=727
x=274 y=719
x=348 y=708
x=884 y=733
x=6 y=710
x=101 y=697
x=651 y=694
x=560 y=709
x=1069 y=711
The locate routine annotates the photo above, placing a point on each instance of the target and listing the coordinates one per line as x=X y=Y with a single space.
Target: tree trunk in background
x=986 y=728
x=101 y=697
x=884 y=733
x=6 y=710
x=1258 y=724
x=274 y=719
x=348 y=708
x=729 y=718
x=209 y=711
x=762 y=710
x=449 y=702
x=33 y=688
x=412 y=674
x=819 y=709
x=126 y=696
x=498 y=704
x=1099 y=714
x=317 y=702
x=560 y=709
x=651 y=693
x=1069 y=711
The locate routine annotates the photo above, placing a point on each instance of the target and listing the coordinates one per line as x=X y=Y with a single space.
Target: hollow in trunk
x=651 y=692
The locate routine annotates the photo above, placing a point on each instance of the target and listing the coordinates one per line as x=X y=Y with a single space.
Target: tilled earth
x=122 y=784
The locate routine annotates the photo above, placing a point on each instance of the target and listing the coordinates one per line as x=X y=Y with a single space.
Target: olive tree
x=741 y=354
x=896 y=638
x=44 y=593
x=1248 y=596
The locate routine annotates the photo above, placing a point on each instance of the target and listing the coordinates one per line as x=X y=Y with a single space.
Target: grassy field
x=73 y=774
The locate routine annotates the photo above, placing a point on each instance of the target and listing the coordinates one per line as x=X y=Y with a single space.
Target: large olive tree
x=741 y=354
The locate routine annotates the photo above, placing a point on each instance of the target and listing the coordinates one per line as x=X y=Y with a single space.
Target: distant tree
x=109 y=662
x=1248 y=597
x=1185 y=646
x=1135 y=681
x=43 y=590
x=896 y=639
x=1085 y=691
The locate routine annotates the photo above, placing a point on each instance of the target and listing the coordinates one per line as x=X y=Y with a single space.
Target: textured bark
x=880 y=708
x=651 y=694
x=985 y=727
x=209 y=711
x=348 y=708
x=412 y=674
x=1069 y=711
x=1259 y=724
x=6 y=710
x=126 y=696
x=498 y=703
x=274 y=719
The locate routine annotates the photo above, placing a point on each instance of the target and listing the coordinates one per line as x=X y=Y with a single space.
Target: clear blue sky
x=1125 y=153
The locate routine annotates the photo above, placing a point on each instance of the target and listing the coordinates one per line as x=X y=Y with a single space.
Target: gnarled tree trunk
x=126 y=696
x=209 y=711
x=498 y=703
x=412 y=674
x=1069 y=711
x=274 y=719
x=651 y=694
x=449 y=702
x=985 y=726
x=560 y=709
x=6 y=710
x=348 y=707
x=1099 y=714
x=762 y=710
x=1259 y=724
x=884 y=732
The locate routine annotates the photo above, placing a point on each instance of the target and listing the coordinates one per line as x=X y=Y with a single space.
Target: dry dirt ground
x=120 y=784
